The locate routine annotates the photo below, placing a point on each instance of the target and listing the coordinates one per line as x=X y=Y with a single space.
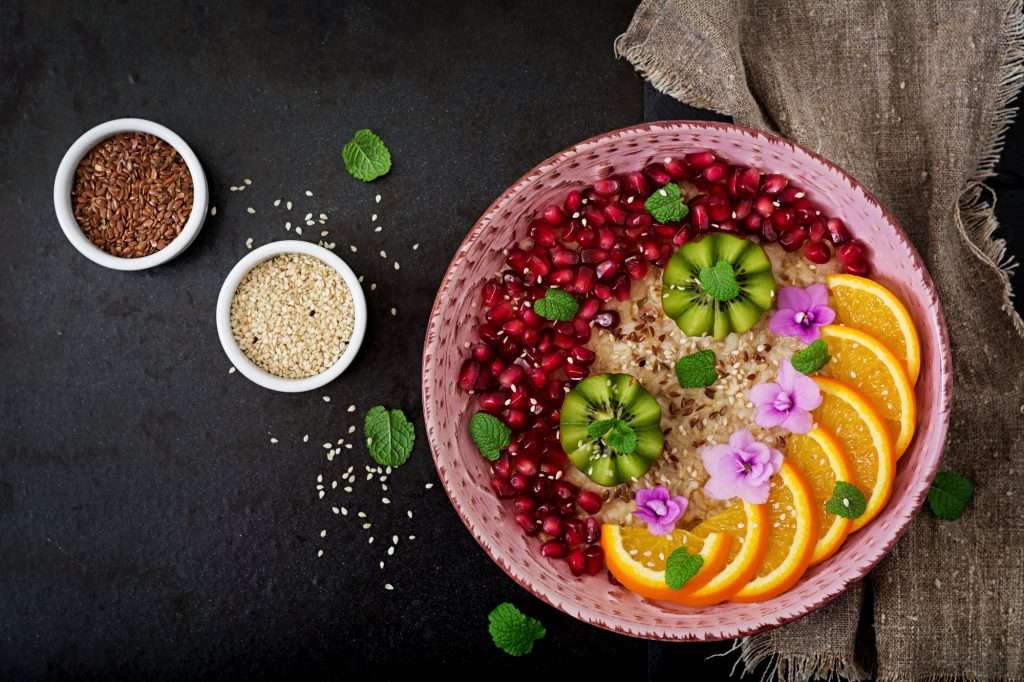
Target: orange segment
x=822 y=460
x=791 y=539
x=865 y=438
x=748 y=524
x=866 y=305
x=863 y=362
x=637 y=559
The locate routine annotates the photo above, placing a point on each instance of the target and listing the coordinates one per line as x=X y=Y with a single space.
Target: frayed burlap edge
x=758 y=650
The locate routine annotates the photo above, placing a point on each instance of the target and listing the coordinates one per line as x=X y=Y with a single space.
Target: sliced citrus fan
x=863 y=362
x=637 y=558
x=748 y=524
x=865 y=438
x=792 y=535
x=822 y=460
x=866 y=305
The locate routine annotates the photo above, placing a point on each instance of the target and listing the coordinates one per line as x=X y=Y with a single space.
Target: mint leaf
x=949 y=495
x=389 y=436
x=719 y=281
x=513 y=631
x=616 y=434
x=667 y=205
x=846 y=501
x=681 y=567
x=490 y=435
x=366 y=156
x=809 y=360
x=556 y=305
x=696 y=370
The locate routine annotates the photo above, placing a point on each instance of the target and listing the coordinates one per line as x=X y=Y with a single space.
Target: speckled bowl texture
x=464 y=473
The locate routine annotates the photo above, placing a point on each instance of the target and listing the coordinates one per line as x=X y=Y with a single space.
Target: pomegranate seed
x=607 y=270
x=817 y=231
x=572 y=233
x=536 y=377
x=575 y=372
x=837 y=231
x=582 y=355
x=650 y=249
x=593 y=198
x=764 y=205
x=638 y=221
x=607 y=319
x=526 y=465
x=636 y=268
x=563 y=278
x=468 y=375
x=657 y=173
x=542 y=233
x=817 y=252
x=531 y=318
x=742 y=208
x=589 y=501
x=573 y=201
x=564 y=490
x=502 y=466
x=768 y=231
x=524 y=503
x=492 y=294
x=517 y=420
x=500 y=312
x=603 y=291
x=790 y=194
x=716 y=172
x=497 y=366
x=621 y=287
x=527 y=523
x=592 y=530
x=581 y=329
x=537 y=266
x=552 y=525
x=729 y=226
x=492 y=403
x=678 y=169
x=607 y=187
x=512 y=374
x=514 y=327
x=747 y=182
x=585 y=278
x=566 y=341
x=699 y=218
x=700 y=159
x=587 y=237
x=752 y=223
x=553 y=215
x=636 y=183
x=519 y=482
x=592 y=256
x=861 y=268
x=574 y=534
x=553 y=549
x=588 y=309
x=616 y=213
x=731 y=182
x=594 y=216
x=852 y=251
x=805 y=210
x=719 y=209
x=774 y=183
x=576 y=561
x=516 y=259
x=793 y=238
x=593 y=559
x=541 y=489
x=681 y=237
x=507 y=347
x=552 y=361
x=549 y=468
x=664 y=231
x=562 y=257
x=567 y=508
x=782 y=220
x=482 y=352
x=502 y=488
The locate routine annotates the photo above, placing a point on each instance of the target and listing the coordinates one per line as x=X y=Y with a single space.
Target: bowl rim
x=918 y=490
x=247 y=367
x=64 y=181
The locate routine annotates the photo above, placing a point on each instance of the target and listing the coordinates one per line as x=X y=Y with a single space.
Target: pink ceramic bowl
x=454 y=317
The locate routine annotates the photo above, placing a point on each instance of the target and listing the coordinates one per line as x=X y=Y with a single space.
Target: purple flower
x=658 y=509
x=743 y=468
x=801 y=311
x=787 y=403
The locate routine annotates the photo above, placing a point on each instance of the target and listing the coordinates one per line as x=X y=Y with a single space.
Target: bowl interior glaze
x=453 y=320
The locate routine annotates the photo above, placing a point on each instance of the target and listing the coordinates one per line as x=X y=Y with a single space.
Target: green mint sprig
x=681 y=566
x=846 y=501
x=812 y=358
x=667 y=204
x=557 y=305
x=719 y=281
x=513 y=631
x=949 y=495
x=389 y=436
x=616 y=434
x=490 y=435
x=697 y=370
x=366 y=156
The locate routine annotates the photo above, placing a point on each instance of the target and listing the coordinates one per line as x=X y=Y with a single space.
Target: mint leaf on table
x=667 y=204
x=366 y=156
x=949 y=495
x=846 y=501
x=556 y=305
x=513 y=631
x=681 y=566
x=719 y=281
x=389 y=436
x=697 y=370
x=616 y=434
x=812 y=358
x=490 y=435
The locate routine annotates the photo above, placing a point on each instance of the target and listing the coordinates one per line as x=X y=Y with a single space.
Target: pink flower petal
x=798 y=421
x=795 y=298
x=817 y=295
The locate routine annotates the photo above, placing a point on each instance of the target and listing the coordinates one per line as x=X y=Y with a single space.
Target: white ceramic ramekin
x=65 y=179
x=243 y=363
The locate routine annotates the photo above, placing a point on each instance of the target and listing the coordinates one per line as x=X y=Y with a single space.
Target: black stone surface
x=149 y=529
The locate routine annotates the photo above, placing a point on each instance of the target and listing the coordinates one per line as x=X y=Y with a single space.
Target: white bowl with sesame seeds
x=65 y=179
x=243 y=362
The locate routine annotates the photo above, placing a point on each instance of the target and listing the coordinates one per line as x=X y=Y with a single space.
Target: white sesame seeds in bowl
x=291 y=316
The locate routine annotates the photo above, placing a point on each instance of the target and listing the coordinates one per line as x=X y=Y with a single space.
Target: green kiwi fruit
x=700 y=313
x=611 y=428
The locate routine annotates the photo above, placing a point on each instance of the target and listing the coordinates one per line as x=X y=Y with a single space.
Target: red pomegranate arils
x=817 y=252
x=553 y=215
x=773 y=184
x=700 y=159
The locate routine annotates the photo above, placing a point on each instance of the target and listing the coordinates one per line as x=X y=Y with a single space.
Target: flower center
x=657 y=506
x=783 y=402
x=804 y=319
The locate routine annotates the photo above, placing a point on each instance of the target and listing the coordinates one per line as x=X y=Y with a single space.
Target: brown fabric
x=911 y=97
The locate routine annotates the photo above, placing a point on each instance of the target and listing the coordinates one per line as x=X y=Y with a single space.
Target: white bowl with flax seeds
x=291 y=316
x=130 y=194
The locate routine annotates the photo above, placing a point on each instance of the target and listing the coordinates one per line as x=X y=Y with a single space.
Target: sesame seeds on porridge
x=292 y=315
x=647 y=345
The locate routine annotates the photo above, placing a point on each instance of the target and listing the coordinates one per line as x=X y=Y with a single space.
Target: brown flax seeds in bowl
x=132 y=194
x=292 y=315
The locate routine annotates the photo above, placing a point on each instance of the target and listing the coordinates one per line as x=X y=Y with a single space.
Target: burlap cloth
x=912 y=97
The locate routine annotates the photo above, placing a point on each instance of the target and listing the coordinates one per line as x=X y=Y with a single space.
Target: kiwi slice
x=717 y=260
x=611 y=428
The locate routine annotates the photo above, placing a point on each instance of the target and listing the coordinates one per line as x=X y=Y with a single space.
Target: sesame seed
x=429 y=486
x=385 y=500
x=327 y=398
x=248 y=243
x=273 y=440
x=352 y=429
x=308 y=193
x=319 y=553
x=298 y=230
x=394 y=312
x=213 y=211
x=383 y=253
x=231 y=370
x=305 y=439
x=388 y=586
x=351 y=408
x=377 y=198
x=416 y=246
x=250 y=210
x=277 y=202
x=288 y=205
x=353 y=248
x=323 y=533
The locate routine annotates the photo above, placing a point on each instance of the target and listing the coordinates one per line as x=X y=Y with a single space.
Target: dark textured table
x=149 y=526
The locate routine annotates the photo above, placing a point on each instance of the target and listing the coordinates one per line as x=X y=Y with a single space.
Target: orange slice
x=791 y=539
x=865 y=438
x=637 y=558
x=866 y=305
x=748 y=524
x=863 y=362
x=822 y=460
